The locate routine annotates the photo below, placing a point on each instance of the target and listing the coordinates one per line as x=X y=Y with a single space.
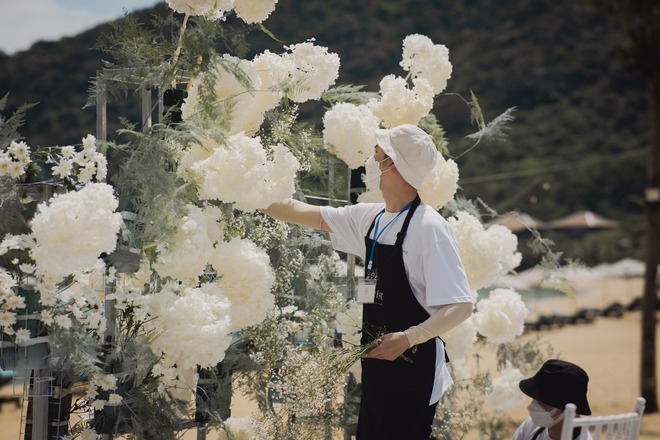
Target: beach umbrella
x=583 y=220
x=519 y=222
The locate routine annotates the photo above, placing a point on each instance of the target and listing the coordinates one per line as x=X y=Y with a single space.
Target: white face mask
x=542 y=417
x=373 y=172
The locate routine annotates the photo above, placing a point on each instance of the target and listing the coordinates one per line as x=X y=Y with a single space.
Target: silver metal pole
x=41 y=391
x=101 y=111
x=146 y=108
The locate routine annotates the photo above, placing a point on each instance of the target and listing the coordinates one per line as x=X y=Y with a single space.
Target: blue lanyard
x=377 y=234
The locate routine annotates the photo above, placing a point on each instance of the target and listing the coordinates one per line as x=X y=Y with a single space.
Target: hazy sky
x=24 y=22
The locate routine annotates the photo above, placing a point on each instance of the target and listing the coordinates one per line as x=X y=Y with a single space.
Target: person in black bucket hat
x=556 y=384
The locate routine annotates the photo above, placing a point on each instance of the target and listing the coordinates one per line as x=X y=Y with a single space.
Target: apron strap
x=404 y=229
x=373 y=222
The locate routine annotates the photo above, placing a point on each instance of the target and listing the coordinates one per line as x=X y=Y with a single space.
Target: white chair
x=613 y=427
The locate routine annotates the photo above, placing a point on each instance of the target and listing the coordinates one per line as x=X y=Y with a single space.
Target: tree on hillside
x=641 y=20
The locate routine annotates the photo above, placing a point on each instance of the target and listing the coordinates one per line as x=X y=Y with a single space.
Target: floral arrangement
x=197 y=280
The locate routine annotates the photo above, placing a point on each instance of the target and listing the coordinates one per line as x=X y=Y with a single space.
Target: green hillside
x=578 y=141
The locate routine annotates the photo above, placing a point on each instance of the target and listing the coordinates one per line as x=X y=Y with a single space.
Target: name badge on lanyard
x=366 y=291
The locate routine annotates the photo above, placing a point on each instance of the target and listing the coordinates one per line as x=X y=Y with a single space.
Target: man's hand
x=392 y=346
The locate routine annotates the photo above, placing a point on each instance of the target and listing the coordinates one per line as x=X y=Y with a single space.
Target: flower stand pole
x=30 y=362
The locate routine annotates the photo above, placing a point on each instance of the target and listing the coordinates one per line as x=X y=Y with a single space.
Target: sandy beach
x=608 y=349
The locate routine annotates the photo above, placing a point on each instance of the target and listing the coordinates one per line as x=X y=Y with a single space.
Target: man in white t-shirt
x=556 y=384
x=415 y=288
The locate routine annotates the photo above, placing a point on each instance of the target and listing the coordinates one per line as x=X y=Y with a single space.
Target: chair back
x=613 y=427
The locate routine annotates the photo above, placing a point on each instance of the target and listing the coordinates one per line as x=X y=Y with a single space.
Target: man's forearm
x=300 y=213
x=441 y=321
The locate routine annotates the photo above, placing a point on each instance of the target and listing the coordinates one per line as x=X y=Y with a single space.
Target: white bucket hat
x=412 y=151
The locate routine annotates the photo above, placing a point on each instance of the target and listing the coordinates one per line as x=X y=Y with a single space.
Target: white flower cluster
x=14 y=160
x=349 y=133
x=458 y=343
x=74 y=229
x=190 y=328
x=211 y=9
x=9 y=301
x=313 y=71
x=441 y=183
x=485 y=253
x=399 y=104
x=305 y=72
x=103 y=382
x=348 y=128
x=254 y=11
x=246 y=278
x=423 y=59
x=82 y=166
x=250 y=11
x=242 y=173
x=81 y=300
x=234 y=101
x=460 y=340
x=505 y=392
x=11 y=241
x=185 y=255
x=501 y=316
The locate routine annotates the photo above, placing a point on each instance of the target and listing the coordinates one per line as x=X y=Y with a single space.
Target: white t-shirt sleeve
x=349 y=225
x=446 y=282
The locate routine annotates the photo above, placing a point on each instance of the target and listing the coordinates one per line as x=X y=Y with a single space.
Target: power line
x=548 y=169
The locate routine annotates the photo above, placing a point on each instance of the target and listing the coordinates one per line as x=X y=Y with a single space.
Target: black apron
x=395 y=394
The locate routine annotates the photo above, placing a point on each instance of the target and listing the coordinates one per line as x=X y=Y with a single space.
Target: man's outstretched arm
x=300 y=213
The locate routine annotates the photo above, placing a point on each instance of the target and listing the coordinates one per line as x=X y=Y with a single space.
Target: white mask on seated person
x=542 y=417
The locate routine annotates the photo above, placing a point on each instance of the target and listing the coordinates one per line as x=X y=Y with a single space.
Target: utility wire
x=548 y=169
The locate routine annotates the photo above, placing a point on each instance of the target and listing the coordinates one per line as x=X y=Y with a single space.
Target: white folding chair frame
x=624 y=426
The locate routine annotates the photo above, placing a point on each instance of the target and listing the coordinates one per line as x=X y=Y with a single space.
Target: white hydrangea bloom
x=400 y=105
x=196 y=152
x=460 y=340
x=427 y=60
x=501 y=316
x=185 y=255
x=191 y=328
x=485 y=253
x=505 y=392
x=246 y=278
x=74 y=229
x=314 y=70
x=212 y=9
x=441 y=183
x=272 y=70
x=254 y=11
x=242 y=173
x=235 y=103
x=349 y=133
